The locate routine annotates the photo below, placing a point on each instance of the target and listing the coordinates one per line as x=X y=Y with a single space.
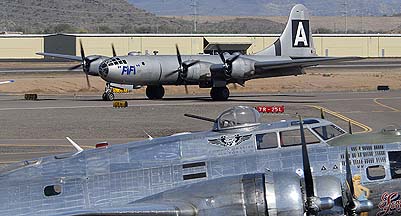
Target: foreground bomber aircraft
x=240 y=167
x=288 y=56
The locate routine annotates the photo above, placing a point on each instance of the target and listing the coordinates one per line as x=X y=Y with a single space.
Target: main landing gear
x=155 y=92
x=219 y=93
x=108 y=94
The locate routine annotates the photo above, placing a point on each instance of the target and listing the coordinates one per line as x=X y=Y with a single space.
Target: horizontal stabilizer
x=302 y=63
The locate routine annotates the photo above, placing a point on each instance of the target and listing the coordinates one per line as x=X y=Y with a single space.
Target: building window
x=376 y=172
x=266 y=141
x=52 y=190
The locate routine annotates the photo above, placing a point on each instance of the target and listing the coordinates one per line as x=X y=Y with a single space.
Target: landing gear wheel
x=155 y=92
x=219 y=93
x=108 y=96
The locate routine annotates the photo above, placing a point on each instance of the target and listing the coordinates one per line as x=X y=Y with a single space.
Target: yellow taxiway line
x=366 y=129
x=383 y=105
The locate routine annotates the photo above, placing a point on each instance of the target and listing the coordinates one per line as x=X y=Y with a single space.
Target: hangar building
x=25 y=46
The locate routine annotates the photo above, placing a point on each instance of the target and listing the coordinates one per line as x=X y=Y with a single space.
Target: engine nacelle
x=269 y=194
x=199 y=72
x=243 y=68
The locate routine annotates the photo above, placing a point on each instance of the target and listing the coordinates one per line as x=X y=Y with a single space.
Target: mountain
x=110 y=16
x=269 y=7
x=104 y=16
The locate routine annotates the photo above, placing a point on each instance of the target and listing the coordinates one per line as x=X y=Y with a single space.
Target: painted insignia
x=229 y=141
x=390 y=204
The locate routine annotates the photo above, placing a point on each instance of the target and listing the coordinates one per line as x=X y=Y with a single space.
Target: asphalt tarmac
x=32 y=129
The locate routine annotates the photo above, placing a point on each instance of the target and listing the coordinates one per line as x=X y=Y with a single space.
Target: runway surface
x=32 y=129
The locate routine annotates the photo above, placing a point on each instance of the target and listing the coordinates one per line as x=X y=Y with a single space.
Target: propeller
x=182 y=68
x=313 y=203
x=227 y=66
x=85 y=64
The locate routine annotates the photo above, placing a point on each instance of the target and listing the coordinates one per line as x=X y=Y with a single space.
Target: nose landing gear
x=108 y=94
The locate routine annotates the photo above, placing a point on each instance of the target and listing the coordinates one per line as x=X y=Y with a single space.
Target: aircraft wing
x=69 y=57
x=301 y=62
x=5 y=82
x=143 y=209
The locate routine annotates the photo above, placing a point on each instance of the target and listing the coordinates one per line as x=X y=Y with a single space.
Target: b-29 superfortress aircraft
x=288 y=56
x=240 y=167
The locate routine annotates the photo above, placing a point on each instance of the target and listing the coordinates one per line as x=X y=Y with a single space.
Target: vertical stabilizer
x=296 y=39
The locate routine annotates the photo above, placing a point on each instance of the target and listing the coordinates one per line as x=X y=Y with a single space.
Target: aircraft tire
x=155 y=92
x=220 y=93
x=108 y=96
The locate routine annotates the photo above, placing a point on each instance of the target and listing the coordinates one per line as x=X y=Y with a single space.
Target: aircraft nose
x=104 y=69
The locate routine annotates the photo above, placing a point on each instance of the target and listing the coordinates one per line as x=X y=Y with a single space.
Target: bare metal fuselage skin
x=113 y=177
x=156 y=70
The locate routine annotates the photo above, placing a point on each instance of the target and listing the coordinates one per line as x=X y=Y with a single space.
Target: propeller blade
x=95 y=59
x=172 y=73
x=87 y=81
x=82 y=51
x=232 y=59
x=223 y=59
x=349 y=127
x=75 y=67
x=178 y=55
x=114 y=50
x=190 y=63
x=306 y=163
x=186 y=89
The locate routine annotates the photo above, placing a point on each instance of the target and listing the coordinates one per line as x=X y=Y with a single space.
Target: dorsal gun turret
x=237 y=117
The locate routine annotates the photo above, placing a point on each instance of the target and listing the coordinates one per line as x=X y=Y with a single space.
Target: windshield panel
x=328 y=132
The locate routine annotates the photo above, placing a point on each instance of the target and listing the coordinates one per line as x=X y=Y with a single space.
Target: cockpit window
x=293 y=137
x=328 y=132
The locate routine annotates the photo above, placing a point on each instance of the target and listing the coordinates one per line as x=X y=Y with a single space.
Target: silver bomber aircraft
x=240 y=167
x=288 y=56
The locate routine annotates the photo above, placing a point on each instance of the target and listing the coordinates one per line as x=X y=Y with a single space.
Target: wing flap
x=304 y=62
x=55 y=55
